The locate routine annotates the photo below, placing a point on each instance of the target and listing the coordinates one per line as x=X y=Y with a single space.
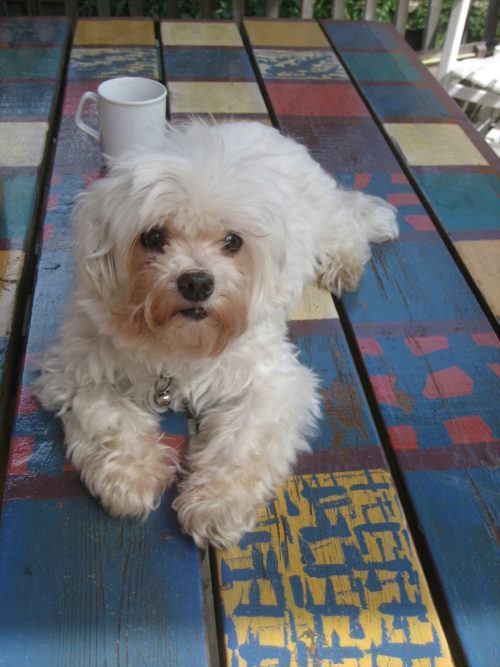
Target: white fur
x=254 y=402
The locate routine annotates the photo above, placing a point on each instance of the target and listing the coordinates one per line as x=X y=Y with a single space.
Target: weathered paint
x=457 y=172
x=328 y=577
x=208 y=72
x=78 y=586
x=285 y=600
x=31 y=62
x=430 y=354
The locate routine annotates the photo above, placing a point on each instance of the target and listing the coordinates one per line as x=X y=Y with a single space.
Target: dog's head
x=183 y=247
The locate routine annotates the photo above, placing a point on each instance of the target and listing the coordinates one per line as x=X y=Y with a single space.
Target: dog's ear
x=94 y=247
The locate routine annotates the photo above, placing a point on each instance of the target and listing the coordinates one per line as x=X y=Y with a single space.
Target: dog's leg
x=343 y=244
x=243 y=451
x=117 y=449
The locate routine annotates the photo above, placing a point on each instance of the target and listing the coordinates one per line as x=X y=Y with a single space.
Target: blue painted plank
x=30 y=63
x=80 y=587
x=389 y=102
x=381 y=66
x=230 y=64
x=464 y=506
x=457 y=198
x=35 y=32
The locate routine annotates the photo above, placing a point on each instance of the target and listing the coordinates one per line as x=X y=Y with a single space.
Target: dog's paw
x=212 y=518
x=379 y=219
x=128 y=487
x=134 y=495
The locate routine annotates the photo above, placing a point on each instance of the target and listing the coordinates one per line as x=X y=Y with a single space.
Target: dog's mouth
x=195 y=313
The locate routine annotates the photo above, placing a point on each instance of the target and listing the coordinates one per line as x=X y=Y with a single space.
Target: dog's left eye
x=232 y=243
x=153 y=239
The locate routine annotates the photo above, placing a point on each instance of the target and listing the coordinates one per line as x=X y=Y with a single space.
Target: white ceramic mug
x=130 y=108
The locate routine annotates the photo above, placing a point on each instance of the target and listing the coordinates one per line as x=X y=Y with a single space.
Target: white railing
x=400 y=21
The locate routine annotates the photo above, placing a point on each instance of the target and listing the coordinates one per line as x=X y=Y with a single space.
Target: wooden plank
x=328 y=576
x=32 y=55
x=208 y=72
x=78 y=586
x=431 y=355
x=131 y=32
x=302 y=588
x=454 y=168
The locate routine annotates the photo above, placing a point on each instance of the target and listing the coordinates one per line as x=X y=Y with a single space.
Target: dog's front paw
x=134 y=494
x=213 y=518
x=127 y=486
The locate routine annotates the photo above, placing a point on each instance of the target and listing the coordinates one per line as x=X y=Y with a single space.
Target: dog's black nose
x=196 y=285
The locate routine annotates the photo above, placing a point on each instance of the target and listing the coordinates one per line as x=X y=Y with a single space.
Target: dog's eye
x=153 y=239
x=232 y=243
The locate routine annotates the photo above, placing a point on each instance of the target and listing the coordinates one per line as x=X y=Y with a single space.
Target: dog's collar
x=163 y=396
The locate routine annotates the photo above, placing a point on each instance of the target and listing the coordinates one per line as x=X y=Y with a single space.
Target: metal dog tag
x=163 y=397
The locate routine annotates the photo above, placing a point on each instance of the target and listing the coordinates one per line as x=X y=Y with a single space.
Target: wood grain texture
x=31 y=63
x=430 y=354
x=457 y=172
x=432 y=144
x=84 y=587
x=315 y=304
x=78 y=587
x=206 y=97
x=299 y=34
x=329 y=576
x=11 y=265
x=120 y=32
x=22 y=144
x=209 y=72
x=482 y=258
x=200 y=33
x=283 y=602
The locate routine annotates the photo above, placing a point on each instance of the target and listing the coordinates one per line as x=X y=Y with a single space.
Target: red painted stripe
x=309 y=99
x=479 y=455
x=420 y=223
x=403 y=199
x=403 y=437
x=21 y=451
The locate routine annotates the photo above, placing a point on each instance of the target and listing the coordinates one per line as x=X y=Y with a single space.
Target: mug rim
x=158 y=84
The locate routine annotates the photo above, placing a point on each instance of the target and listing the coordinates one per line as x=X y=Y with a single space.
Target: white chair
x=475 y=81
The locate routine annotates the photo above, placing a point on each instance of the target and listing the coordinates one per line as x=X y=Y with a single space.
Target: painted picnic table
x=31 y=63
x=388 y=530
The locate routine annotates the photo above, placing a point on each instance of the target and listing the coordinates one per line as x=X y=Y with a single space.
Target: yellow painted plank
x=215 y=97
x=194 y=33
x=22 y=144
x=315 y=304
x=329 y=576
x=111 y=32
x=434 y=144
x=11 y=265
x=285 y=33
x=482 y=258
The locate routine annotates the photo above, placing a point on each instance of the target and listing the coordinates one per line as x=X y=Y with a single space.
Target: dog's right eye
x=153 y=239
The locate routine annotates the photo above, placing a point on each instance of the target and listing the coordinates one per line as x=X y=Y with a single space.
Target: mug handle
x=78 y=117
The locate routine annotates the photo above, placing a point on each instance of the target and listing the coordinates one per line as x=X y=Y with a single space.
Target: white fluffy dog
x=188 y=254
